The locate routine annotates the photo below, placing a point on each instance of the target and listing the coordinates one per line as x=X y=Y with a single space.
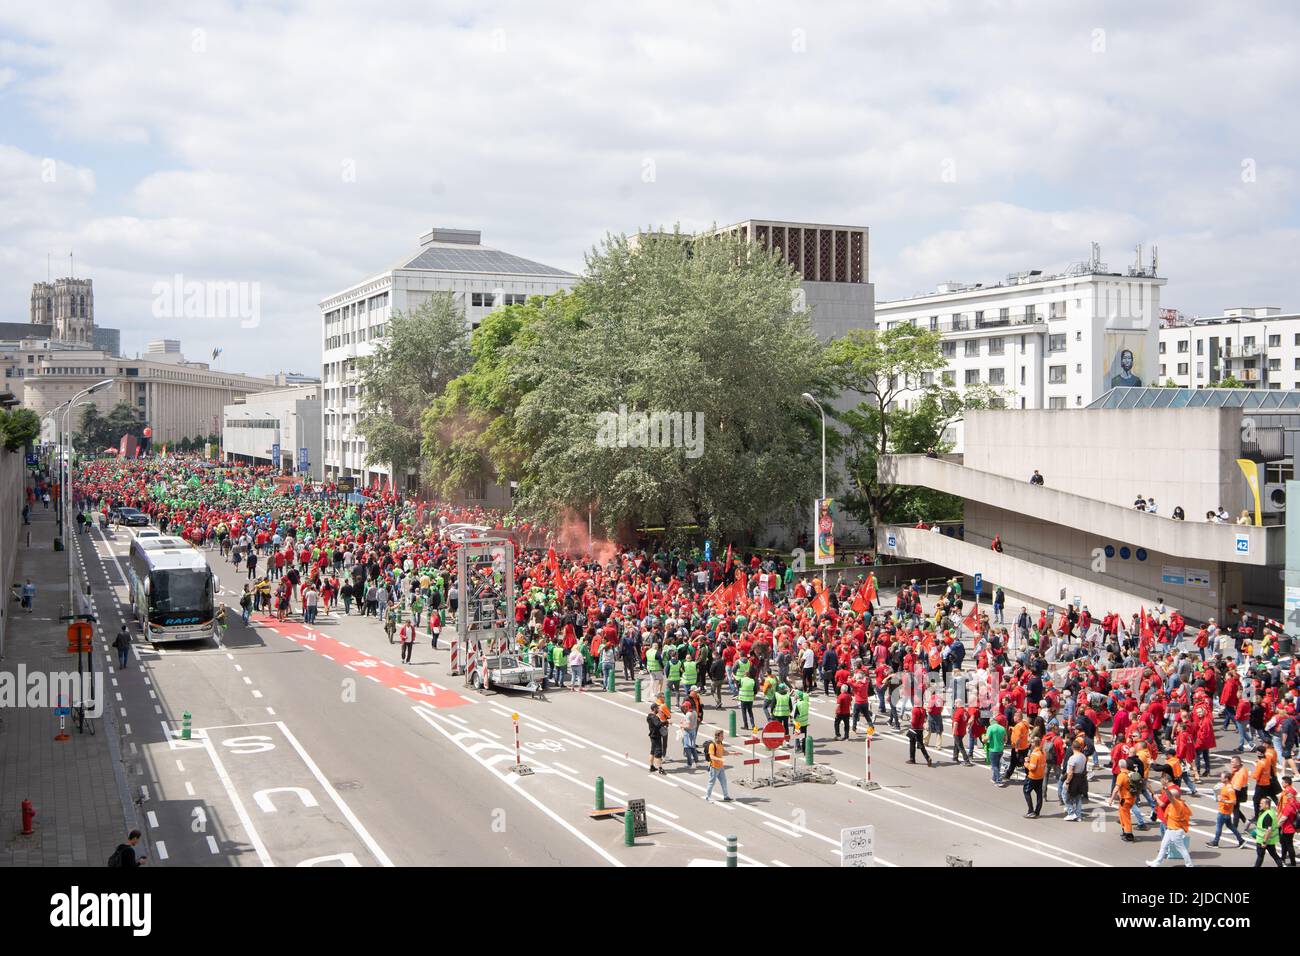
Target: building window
x=1022 y=375
x=948 y=349
x=997 y=376
x=1274 y=384
x=972 y=348
x=1162 y=370
x=1031 y=313
x=1200 y=346
x=927 y=379
x=1200 y=369
x=1056 y=374
x=1274 y=341
x=1248 y=341
x=972 y=376
x=1056 y=343
x=1004 y=315
x=1162 y=348
x=1275 y=365
x=997 y=346
x=1057 y=401
x=934 y=323
x=482 y=300
x=1182 y=366
x=1275 y=473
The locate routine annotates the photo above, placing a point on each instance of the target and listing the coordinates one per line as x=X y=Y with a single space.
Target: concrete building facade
x=1078 y=535
x=1041 y=341
x=1259 y=346
x=283 y=419
x=451 y=262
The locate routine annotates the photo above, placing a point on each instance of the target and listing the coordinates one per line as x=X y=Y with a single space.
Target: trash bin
x=58 y=544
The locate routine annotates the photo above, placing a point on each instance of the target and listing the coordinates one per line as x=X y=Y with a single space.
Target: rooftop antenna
x=1155 y=259
x=1095 y=261
x=72 y=269
x=1137 y=267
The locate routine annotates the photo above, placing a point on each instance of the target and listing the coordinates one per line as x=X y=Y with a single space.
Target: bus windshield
x=181 y=592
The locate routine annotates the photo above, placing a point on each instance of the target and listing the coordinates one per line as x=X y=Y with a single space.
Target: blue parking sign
x=979 y=583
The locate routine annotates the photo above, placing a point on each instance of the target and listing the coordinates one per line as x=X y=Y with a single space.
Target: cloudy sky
x=300 y=148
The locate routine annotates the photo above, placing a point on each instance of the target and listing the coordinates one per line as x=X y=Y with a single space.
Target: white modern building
x=279 y=427
x=449 y=261
x=1055 y=340
x=1259 y=346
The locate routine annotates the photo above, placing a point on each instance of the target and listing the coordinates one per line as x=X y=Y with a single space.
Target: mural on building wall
x=1126 y=354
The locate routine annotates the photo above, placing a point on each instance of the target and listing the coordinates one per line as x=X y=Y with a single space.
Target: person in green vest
x=781 y=707
x=559 y=663
x=746 y=695
x=690 y=671
x=769 y=696
x=1266 y=833
x=655 y=665
x=801 y=718
x=995 y=742
x=674 y=679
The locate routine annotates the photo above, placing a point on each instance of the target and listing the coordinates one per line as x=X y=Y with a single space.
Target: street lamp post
x=65 y=496
x=807 y=397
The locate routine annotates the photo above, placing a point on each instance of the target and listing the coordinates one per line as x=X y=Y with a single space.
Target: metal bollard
x=808 y=749
x=732 y=857
x=638 y=690
x=609 y=682
x=731 y=724
x=600 y=793
x=185 y=726
x=629 y=828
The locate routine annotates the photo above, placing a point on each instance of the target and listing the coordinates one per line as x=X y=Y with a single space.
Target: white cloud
x=220 y=153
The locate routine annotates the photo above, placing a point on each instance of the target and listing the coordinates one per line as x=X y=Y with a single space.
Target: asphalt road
x=315 y=746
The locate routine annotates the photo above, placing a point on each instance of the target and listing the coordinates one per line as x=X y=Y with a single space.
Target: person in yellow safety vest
x=690 y=672
x=801 y=717
x=746 y=695
x=781 y=707
x=559 y=663
x=654 y=663
x=674 y=678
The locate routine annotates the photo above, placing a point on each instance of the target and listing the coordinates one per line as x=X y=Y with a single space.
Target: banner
x=1251 y=470
x=824 y=531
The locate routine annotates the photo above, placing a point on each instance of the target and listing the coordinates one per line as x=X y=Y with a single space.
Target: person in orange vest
x=1227 y=807
x=1123 y=793
x=1265 y=774
x=1178 y=825
x=1240 y=782
x=1035 y=774
x=1019 y=737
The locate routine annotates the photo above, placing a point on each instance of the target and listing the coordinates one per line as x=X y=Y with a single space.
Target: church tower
x=68 y=305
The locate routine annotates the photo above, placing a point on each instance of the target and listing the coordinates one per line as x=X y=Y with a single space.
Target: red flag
x=727 y=567
x=869 y=589
x=859 y=604
x=552 y=563
x=972 y=620
x=673 y=585
x=821 y=603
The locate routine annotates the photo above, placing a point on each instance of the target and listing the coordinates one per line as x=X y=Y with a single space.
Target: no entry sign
x=773 y=735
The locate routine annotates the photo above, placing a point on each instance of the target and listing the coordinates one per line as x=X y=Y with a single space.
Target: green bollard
x=808 y=749
x=629 y=831
x=731 y=724
x=638 y=690
x=732 y=852
x=600 y=793
x=185 y=726
x=609 y=682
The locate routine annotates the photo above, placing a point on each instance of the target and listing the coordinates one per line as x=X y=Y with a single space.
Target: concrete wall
x=1022 y=580
x=1188 y=455
x=1189 y=540
x=1070 y=550
x=12 y=470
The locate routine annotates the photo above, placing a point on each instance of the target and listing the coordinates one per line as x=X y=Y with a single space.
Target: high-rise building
x=451 y=262
x=1056 y=340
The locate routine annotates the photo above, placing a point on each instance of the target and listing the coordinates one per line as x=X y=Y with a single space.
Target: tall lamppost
x=66 y=492
x=807 y=397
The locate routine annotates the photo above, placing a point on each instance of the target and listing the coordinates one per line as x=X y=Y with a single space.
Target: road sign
x=275 y=456
x=979 y=584
x=773 y=735
x=79 y=637
x=858 y=846
x=303 y=464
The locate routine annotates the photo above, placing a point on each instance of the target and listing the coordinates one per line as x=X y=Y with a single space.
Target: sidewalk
x=78 y=786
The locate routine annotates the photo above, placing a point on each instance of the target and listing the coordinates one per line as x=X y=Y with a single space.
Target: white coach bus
x=173 y=592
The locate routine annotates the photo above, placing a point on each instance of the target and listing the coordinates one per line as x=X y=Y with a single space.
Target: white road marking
x=126 y=729
x=484 y=730
x=180 y=767
x=253 y=837
x=257 y=694
x=161 y=849
x=238 y=667
x=271 y=711
x=157 y=709
x=189 y=789
x=212 y=845
x=617 y=762
x=248 y=680
x=153 y=820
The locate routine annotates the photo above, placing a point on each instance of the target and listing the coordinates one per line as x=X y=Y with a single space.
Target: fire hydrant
x=29 y=814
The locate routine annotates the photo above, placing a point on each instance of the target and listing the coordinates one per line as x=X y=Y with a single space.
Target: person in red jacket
x=960 y=724
x=843 y=707
x=915 y=736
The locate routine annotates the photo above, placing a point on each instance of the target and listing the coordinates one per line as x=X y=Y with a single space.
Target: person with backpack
x=717 y=752
x=1127 y=798
x=658 y=729
x=126 y=855
x=122 y=644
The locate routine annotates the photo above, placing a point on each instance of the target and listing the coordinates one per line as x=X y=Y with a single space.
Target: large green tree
x=421 y=353
x=98 y=432
x=19 y=427
x=906 y=407
x=705 y=336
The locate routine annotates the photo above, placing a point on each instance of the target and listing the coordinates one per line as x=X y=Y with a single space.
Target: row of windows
x=248 y=422
x=958 y=321
x=1247 y=342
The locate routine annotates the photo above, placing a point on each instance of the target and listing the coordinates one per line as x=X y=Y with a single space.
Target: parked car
x=131 y=517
